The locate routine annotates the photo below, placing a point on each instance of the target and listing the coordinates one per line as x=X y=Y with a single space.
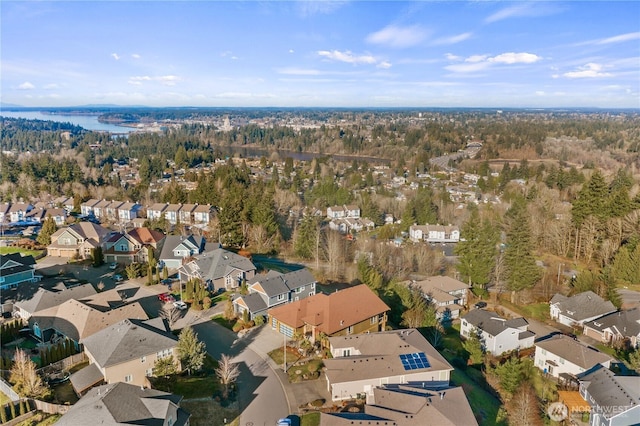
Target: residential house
x=66 y=203
x=16 y=269
x=78 y=240
x=100 y=209
x=133 y=246
x=176 y=248
x=35 y=216
x=77 y=320
x=218 y=269
x=616 y=327
x=202 y=214
x=156 y=211
x=561 y=356
x=336 y=212
x=4 y=212
x=497 y=335
x=273 y=289
x=405 y=405
x=353 y=310
x=434 y=233
x=171 y=213
x=352 y=211
x=125 y=352
x=128 y=211
x=45 y=299
x=447 y=294
x=185 y=214
x=348 y=225
x=614 y=400
x=112 y=211
x=86 y=208
x=125 y=404
x=363 y=361
x=18 y=212
x=578 y=309
x=59 y=215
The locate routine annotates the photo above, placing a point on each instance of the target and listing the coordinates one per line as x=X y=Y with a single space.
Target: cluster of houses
x=25 y=214
x=118 y=211
x=611 y=399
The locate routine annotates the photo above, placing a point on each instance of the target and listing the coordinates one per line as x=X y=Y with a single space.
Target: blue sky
x=316 y=53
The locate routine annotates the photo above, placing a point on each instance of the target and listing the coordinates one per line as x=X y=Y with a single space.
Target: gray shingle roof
x=627 y=323
x=122 y=403
x=491 y=322
x=173 y=241
x=576 y=353
x=129 y=339
x=217 y=264
x=619 y=393
x=583 y=305
x=44 y=299
x=85 y=378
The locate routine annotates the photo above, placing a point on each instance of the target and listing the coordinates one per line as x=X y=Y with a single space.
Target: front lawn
x=198 y=385
x=23 y=251
x=307 y=371
x=219 y=319
x=310 y=419
x=537 y=311
x=205 y=413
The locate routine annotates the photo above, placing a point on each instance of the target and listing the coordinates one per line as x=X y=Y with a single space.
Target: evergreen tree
x=230 y=217
x=48 y=228
x=592 y=200
x=164 y=367
x=97 y=256
x=304 y=244
x=477 y=252
x=521 y=269
x=510 y=375
x=473 y=346
x=191 y=350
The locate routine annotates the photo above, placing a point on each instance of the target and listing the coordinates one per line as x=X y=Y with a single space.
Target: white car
x=180 y=305
x=118 y=278
x=114 y=266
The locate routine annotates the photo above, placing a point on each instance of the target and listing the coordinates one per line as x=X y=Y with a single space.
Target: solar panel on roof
x=414 y=361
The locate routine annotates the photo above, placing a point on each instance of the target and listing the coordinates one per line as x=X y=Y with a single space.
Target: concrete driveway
x=261 y=396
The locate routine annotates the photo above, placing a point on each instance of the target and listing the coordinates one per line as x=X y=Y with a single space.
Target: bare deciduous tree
x=24 y=377
x=227 y=373
x=170 y=313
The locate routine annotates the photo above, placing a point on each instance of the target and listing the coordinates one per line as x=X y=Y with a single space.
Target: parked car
x=118 y=277
x=480 y=305
x=166 y=298
x=180 y=305
x=114 y=265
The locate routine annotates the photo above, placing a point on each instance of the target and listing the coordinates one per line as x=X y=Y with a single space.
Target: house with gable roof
x=176 y=248
x=133 y=246
x=614 y=400
x=409 y=405
x=86 y=208
x=18 y=212
x=616 y=327
x=434 y=233
x=122 y=403
x=156 y=211
x=497 y=335
x=171 y=213
x=218 y=268
x=16 y=269
x=273 y=289
x=363 y=361
x=578 y=309
x=185 y=214
x=100 y=209
x=353 y=310
x=128 y=211
x=202 y=214
x=125 y=352
x=447 y=294
x=78 y=240
x=45 y=299
x=562 y=356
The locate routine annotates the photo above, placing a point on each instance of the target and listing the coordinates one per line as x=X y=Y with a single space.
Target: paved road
x=262 y=399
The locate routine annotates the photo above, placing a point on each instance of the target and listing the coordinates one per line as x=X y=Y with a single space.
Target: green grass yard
x=24 y=252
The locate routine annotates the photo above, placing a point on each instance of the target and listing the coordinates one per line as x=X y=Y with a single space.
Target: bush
x=239 y=325
x=259 y=320
x=206 y=302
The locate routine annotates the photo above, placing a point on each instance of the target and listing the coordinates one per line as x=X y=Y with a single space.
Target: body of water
x=88 y=122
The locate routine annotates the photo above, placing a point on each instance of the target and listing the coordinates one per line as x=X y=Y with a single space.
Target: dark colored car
x=480 y=305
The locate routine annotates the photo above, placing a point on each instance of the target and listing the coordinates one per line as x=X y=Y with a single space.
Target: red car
x=166 y=298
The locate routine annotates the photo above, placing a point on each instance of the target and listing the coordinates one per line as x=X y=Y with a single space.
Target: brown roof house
x=125 y=352
x=124 y=404
x=616 y=327
x=561 y=356
x=353 y=310
x=447 y=294
x=404 y=405
x=133 y=246
x=77 y=320
x=77 y=240
x=363 y=361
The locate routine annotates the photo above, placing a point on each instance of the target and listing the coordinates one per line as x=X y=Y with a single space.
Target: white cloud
x=135 y=56
x=298 y=71
x=476 y=63
x=452 y=40
x=590 y=70
x=115 y=56
x=521 y=10
x=347 y=56
x=515 y=58
x=452 y=57
x=26 y=86
x=167 y=80
x=619 y=38
x=540 y=93
x=384 y=65
x=291 y=51
x=395 y=36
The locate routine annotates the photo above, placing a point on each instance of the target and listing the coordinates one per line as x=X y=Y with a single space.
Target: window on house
x=311 y=293
x=544 y=352
x=123 y=247
x=346 y=352
x=350 y=330
x=313 y=286
x=149 y=372
x=280 y=297
x=300 y=289
x=373 y=320
x=128 y=378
